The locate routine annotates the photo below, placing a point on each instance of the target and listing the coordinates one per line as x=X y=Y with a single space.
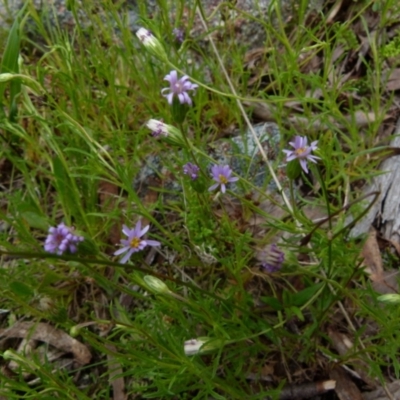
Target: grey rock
x=239 y=152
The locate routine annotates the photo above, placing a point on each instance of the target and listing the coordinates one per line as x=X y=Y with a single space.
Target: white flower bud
x=390 y=298
x=169 y=132
x=151 y=43
x=199 y=346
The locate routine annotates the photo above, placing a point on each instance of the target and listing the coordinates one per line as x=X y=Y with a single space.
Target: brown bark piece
x=47 y=333
x=345 y=387
x=114 y=369
x=386 y=208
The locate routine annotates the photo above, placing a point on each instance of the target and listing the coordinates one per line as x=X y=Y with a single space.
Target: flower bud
x=199 y=346
x=390 y=298
x=169 y=133
x=156 y=285
x=151 y=43
x=293 y=169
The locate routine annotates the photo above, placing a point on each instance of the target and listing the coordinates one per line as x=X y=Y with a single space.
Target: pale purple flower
x=192 y=170
x=61 y=239
x=179 y=34
x=134 y=243
x=302 y=152
x=179 y=88
x=272 y=258
x=222 y=175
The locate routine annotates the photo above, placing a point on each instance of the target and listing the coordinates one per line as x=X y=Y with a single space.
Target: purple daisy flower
x=222 y=175
x=302 y=152
x=61 y=239
x=179 y=34
x=134 y=243
x=273 y=258
x=192 y=170
x=179 y=88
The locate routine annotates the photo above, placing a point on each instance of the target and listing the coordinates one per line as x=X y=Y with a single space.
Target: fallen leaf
x=392 y=79
x=372 y=256
x=51 y=335
x=345 y=387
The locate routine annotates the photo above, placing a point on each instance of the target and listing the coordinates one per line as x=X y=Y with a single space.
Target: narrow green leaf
x=35 y=220
x=20 y=289
x=63 y=185
x=9 y=64
x=273 y=302
x=300 y=298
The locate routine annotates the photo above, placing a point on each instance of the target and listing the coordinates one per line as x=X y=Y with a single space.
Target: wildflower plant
x=191 y=170
x=178 y=88
x=272 y=258
x=302 y=152
x=208 y=314
x=168 y=133
x=221 y=174
x=134 y=241
x=152 y=44
x=61 y=239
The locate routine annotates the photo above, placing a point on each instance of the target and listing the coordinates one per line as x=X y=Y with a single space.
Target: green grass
x=74 y=119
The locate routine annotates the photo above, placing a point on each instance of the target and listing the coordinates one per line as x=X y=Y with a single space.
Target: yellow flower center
x=223 y=179
x=135 y=242
x=300 y=151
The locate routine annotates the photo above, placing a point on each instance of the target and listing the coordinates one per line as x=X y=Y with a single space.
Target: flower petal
x=126 y=257
x=213 y=187
x=121 y=250
x=153 y=242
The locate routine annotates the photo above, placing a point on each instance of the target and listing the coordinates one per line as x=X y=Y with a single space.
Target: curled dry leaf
x=51 y=335
x=345 y=387
x=392 y=79
x=372 y=257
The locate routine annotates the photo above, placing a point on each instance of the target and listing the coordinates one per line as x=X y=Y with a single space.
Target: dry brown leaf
x=384 y=211
x=114 y=369
x=49 y=334
x=382 y=281
x=333 y=12
x=393 y=80
x=345 y=387
x=372 y=256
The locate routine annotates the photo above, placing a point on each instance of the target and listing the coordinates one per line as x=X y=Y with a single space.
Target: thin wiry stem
x=246 y=118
